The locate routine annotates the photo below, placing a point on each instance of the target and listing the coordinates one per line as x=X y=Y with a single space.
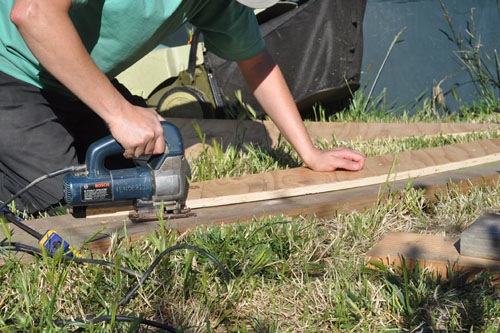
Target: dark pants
x=40 y=133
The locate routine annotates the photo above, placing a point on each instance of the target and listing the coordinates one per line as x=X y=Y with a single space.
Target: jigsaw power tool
x=162 y=182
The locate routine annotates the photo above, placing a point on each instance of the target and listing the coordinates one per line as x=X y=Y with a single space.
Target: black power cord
x=37 y=252
x=125 y=299
x=127 y=319
x=77 y=168
x=19 y=247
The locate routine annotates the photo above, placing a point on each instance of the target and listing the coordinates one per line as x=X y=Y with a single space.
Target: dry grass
x=288 y=275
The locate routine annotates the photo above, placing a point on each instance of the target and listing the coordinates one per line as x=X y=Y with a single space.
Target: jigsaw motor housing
x=163 y=180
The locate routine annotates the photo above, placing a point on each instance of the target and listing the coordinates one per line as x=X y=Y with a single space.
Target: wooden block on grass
x=482 y=238
x=436 y=253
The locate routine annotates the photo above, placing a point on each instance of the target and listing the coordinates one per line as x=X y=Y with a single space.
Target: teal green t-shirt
x=117 y=33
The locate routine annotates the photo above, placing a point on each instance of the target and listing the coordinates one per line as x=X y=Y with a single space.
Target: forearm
x=265 y=80
x=52 y=38
x=273 y=95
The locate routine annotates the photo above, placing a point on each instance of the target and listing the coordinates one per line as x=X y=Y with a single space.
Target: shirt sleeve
x=230 y=30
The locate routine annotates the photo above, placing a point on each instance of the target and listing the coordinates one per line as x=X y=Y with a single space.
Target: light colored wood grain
x=78 y=231
x=434 y=252
x=380 y=169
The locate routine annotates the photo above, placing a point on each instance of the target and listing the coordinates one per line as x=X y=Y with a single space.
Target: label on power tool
x=96 y=192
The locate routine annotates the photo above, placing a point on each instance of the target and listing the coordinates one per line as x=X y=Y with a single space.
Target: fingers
x=335 y=159
x=129 y=153
x=159 y=146
x=349 y=165
x=155 y=146
x=350 y=159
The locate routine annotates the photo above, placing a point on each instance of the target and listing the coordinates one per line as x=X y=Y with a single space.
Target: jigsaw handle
x=107 y=146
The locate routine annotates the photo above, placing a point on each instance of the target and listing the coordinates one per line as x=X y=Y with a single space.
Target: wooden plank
x=265 y=133
x=482 y=238
x=78 y=231
x=434 y=252
x=377 y=170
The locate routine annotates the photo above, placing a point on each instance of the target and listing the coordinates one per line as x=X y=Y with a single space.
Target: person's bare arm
x=266 y=81
x=51 y=36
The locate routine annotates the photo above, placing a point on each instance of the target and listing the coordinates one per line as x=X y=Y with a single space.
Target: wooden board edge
x=114 y=228
x=340 y=185
x=435 y=253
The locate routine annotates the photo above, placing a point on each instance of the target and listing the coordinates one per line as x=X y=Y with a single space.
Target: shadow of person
x=197 y=133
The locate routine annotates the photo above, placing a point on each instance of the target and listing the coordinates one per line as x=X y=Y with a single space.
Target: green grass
x=215 y=161
x=288 y=274
x=300 y=274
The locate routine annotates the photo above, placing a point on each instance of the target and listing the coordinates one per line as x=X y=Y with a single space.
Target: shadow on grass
x=426 y=302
